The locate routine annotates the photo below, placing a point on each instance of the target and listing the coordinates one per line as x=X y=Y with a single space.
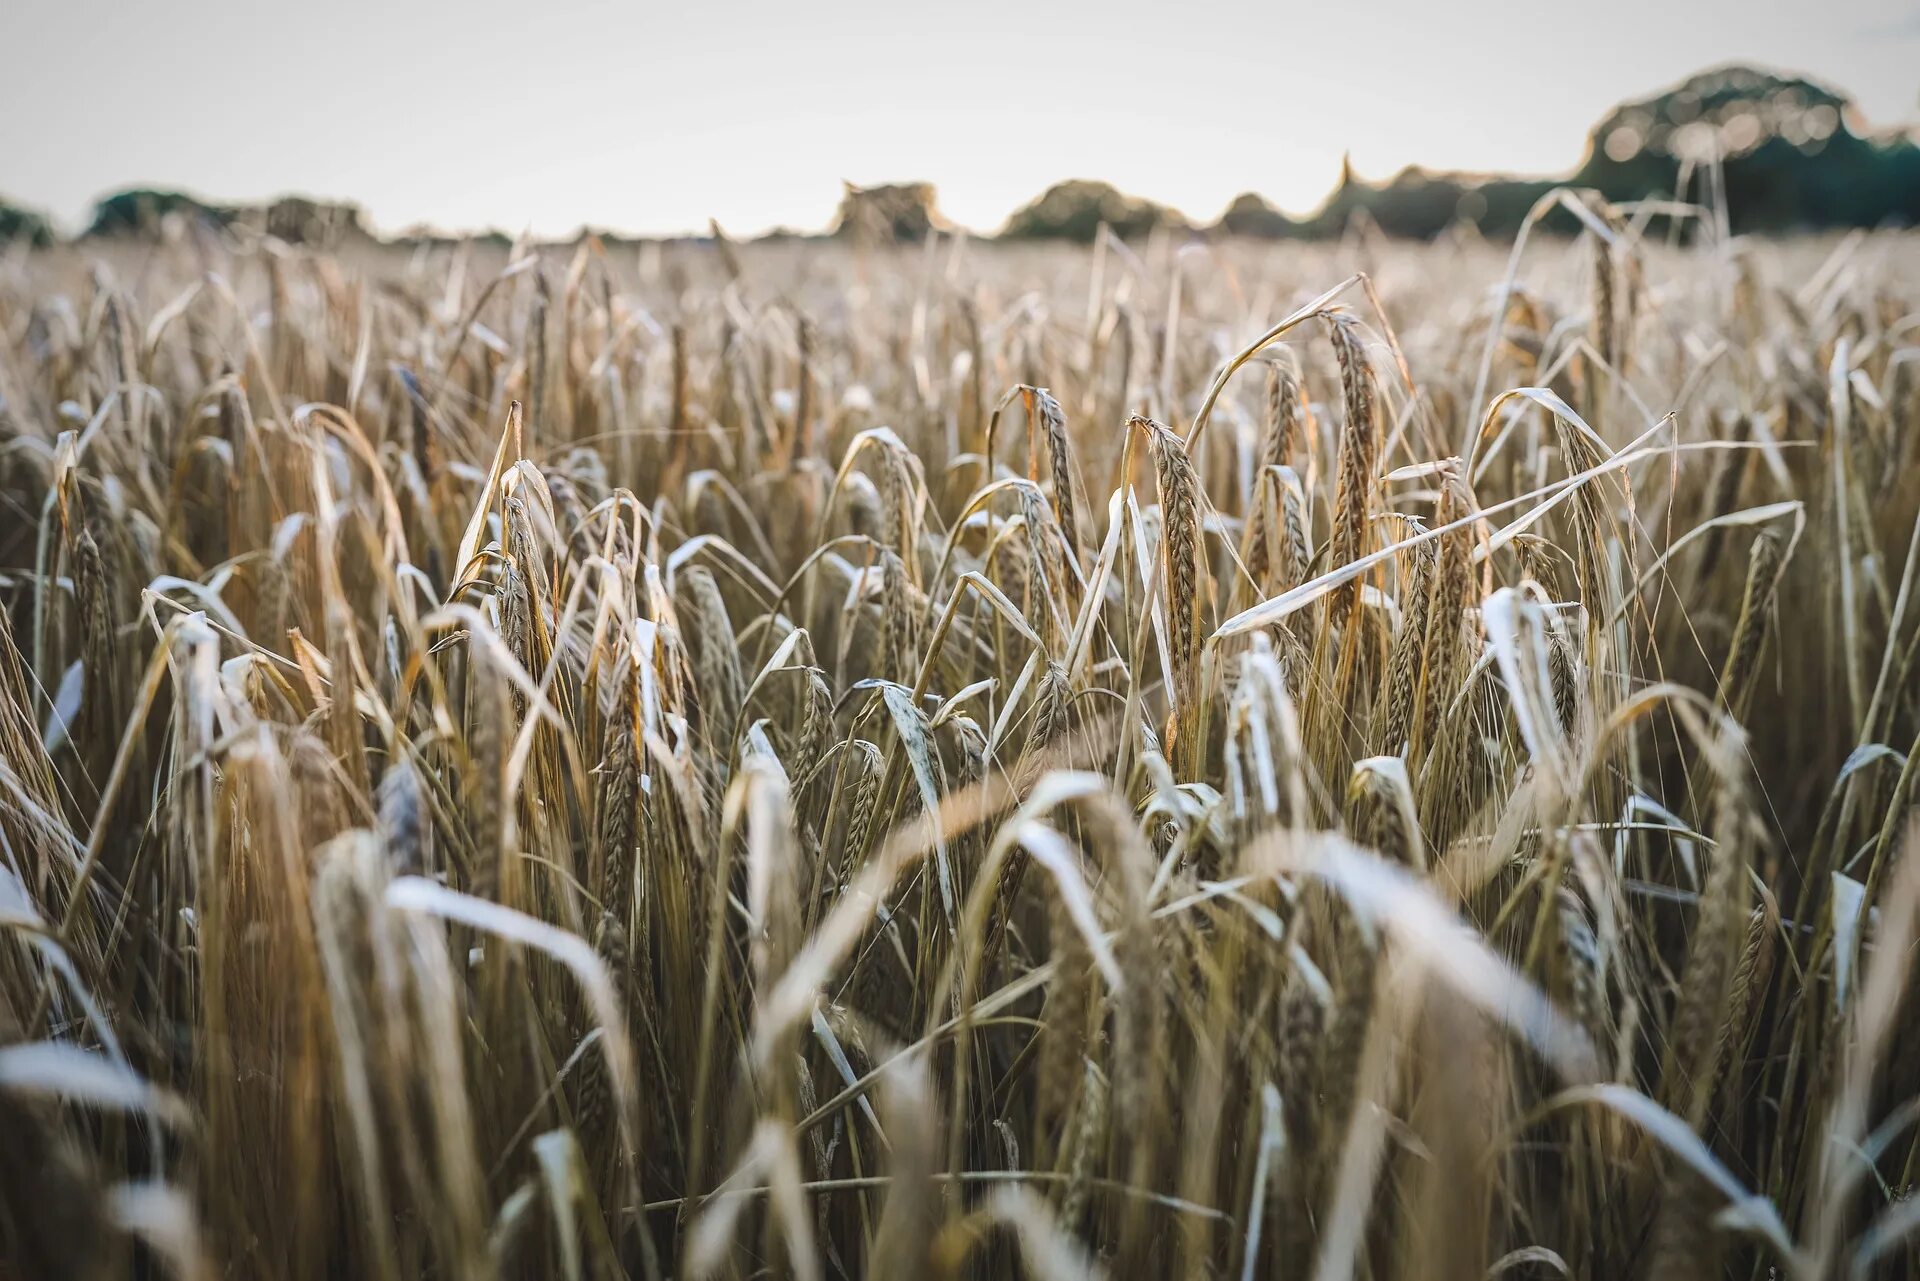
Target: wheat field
x=815 y=760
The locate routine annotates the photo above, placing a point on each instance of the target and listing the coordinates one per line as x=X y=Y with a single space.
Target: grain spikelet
x=1359 y=453
x=1750 y=630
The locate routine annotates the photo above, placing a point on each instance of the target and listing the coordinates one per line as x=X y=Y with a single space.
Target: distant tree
x=18 y=223
x=1793 y=153
x=1418 y=204
x=1075 y=210
x=298 y=220
x=903 y=211
x=139 y=211
x=1251 y=215
x=1792 y=156
x=301 y=221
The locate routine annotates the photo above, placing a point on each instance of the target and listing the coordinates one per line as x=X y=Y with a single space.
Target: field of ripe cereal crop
x=970 y=760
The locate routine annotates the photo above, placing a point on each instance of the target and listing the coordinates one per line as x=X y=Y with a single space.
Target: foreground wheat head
x=773 y=760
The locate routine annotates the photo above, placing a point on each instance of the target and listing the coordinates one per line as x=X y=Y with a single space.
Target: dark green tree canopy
x=140 y=211
x=1074 y=211
x=1793 y=156
x=19 y=223
x=298 y=220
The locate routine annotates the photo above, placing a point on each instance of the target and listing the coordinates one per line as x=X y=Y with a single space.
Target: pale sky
x=652 y=117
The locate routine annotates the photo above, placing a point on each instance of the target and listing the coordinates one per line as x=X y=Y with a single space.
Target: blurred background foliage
x=1776 y=153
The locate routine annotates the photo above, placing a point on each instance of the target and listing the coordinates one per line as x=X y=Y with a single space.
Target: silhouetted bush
x=1075 y=210
x=1251 y=215
x=904 y=211
x=139 y=211
x=17 y=223
x=300 y=221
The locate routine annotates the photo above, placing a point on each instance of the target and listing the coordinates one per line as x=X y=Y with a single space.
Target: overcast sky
x=653 y=117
